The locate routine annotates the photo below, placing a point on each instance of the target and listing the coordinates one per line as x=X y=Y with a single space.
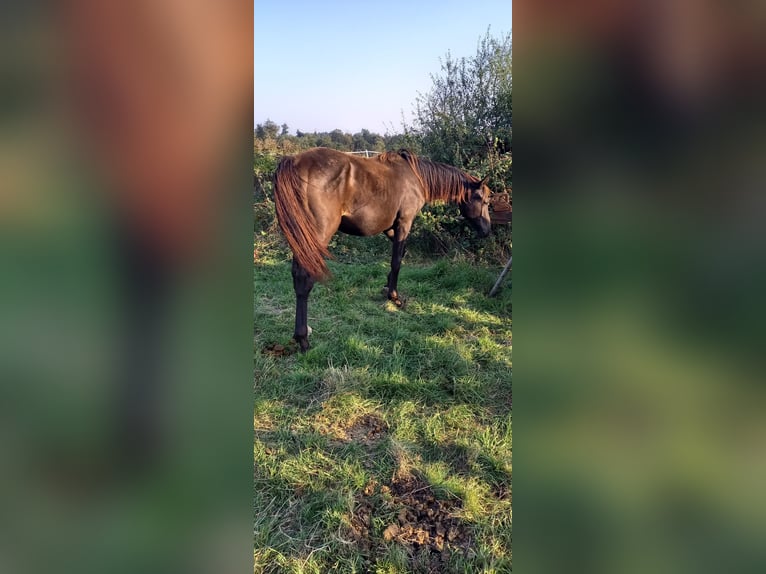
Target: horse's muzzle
x=482 y=228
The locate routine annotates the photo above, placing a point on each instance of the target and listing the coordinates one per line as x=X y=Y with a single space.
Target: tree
x=466 y=118
x=341 y=140
x=268 y=129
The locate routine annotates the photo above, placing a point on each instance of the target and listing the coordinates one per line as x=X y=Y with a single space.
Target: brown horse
x=321 y=191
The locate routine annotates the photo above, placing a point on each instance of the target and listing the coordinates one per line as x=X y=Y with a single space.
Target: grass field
x=387 y=447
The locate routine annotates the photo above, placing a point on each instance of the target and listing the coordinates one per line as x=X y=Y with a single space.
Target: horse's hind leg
x=302 y=283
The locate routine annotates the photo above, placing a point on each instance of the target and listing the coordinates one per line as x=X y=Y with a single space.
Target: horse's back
x=320 y=157
x=354 y=180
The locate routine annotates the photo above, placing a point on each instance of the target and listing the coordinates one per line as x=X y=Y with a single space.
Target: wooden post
x=507 y=268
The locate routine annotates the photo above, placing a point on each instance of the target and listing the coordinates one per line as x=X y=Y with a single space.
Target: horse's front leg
x=397 y=254
x=302 y=283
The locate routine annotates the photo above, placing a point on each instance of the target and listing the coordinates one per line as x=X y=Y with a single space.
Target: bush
x=465 y=120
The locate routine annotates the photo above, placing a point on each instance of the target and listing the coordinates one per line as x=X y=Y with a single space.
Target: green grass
x=390 y=408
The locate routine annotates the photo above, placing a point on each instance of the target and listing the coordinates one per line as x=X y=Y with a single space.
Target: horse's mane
x=441 y=182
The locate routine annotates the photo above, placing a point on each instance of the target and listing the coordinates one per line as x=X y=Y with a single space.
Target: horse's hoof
x=303 y=343
x=394 y=297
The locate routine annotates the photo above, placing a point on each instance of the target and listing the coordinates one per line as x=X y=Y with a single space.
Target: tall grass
x=385 y=399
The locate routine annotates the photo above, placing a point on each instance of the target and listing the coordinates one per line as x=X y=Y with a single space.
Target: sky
x=337 y=64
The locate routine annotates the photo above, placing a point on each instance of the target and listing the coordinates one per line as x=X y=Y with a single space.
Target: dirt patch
x=428 y=527
x=361 y=523
x=424 y=521
x=368 y=429
x=277 y=350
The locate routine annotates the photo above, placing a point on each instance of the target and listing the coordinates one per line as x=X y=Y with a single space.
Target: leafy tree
x=268 y=129
x=466 y=118
x=341 y=140
x=324 y=140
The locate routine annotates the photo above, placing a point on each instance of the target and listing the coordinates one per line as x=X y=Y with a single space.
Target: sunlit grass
x=436 y=377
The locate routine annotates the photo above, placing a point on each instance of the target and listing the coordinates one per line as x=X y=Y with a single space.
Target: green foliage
x=268 y=139
x=438 y=230
x=266 y=130
x=465 y=119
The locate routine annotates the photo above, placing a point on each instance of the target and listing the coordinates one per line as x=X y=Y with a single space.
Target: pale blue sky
x=326 y=64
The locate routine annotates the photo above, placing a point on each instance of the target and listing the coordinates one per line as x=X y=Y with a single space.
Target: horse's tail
x=297 y=222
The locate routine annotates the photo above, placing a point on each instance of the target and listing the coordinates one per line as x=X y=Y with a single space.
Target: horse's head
x=475 y=208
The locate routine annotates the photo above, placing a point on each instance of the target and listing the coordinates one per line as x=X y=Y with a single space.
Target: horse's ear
x=484 y=181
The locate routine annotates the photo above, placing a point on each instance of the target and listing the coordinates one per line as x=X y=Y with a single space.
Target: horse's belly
x=360 y=227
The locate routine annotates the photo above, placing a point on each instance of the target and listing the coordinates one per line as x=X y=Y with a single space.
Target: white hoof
x=309 y=330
